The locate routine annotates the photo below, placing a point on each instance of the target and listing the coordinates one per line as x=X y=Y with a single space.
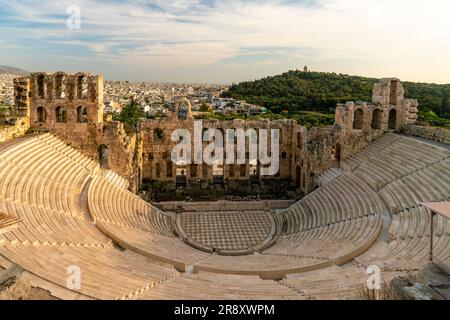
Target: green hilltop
x=297 y=92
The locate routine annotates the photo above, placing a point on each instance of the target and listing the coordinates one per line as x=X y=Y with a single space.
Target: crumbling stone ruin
x=369 y=221
x=71 y=107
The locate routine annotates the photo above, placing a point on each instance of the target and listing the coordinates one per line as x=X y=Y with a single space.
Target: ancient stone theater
x=73 y=220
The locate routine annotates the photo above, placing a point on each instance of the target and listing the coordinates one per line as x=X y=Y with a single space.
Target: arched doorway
x=82 y=87
x=82 y=116
x=60 y=86
x=243 y=170
x=158 y=136
x=61 y=114
x=41 y=86
x=297 y=177
x=393 y=119
x=358 y=119
x=158 y=171
x=254 y=172
x=183 y=109
x=103 y=156
x=377 y=117
x=41 y=115
x=181 y=175
x=169 y=170
x=336 y=152
x=218 y=172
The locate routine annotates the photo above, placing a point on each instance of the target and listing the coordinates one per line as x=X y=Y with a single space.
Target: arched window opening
x=41 y=115
x=254 y=171
x=358 y=119
x=377 y=117
x=181 y=176
x=194 y=168
x=158 y=171
x=41 y=86
x=182 y=111
x=60 y=86
x=297 y=177
x=103 y=156
x=336 y=153
x=393 y=119
x=231 y=170
x=205 y=171
x=169 y=170
x=158 y=135
x=243 y=170
x=218 y=172
x=61 y=114
x=82 y=87
x=82 y=116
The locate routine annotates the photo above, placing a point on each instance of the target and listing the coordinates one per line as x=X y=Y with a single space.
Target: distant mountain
x=12 y=70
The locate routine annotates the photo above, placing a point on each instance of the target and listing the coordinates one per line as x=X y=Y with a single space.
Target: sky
x=226 y=41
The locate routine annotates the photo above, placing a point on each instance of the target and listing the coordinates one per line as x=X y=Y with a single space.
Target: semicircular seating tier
x=406 y=172
x=351 y=219
x=67 y=213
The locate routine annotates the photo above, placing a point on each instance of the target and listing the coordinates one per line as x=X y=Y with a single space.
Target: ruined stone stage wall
x=157 y=147
x=71 y=107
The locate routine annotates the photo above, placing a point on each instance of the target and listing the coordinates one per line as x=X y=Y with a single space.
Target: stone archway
x=181 y=175
x=61 y=114
x=183 y=113
x=392 y=123
x=103 y=156
x=337 y=152
x=218 y=172
x=60 y=86
x=41 y=86
x=377 y=119
x=298 y=172
x=82 y=86
x=41 y=115
x=358 y=119
x=82 y=116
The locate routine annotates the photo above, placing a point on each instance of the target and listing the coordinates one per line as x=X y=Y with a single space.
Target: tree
x=130 y=116
x=205 y=107
x=298 y=91
x=445 y=104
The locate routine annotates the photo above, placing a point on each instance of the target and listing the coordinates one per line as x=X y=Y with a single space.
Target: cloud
x=341 y=35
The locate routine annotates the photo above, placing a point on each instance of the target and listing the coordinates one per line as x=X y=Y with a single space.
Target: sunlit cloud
x=212 y=40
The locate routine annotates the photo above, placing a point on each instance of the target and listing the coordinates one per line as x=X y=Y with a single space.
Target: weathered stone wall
x=354 y=137
x=71 y=107
x=361 y=123
x=432 y=133
x=14 y=131
x=158 y=146
x=318 y=155
x=22 y=97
